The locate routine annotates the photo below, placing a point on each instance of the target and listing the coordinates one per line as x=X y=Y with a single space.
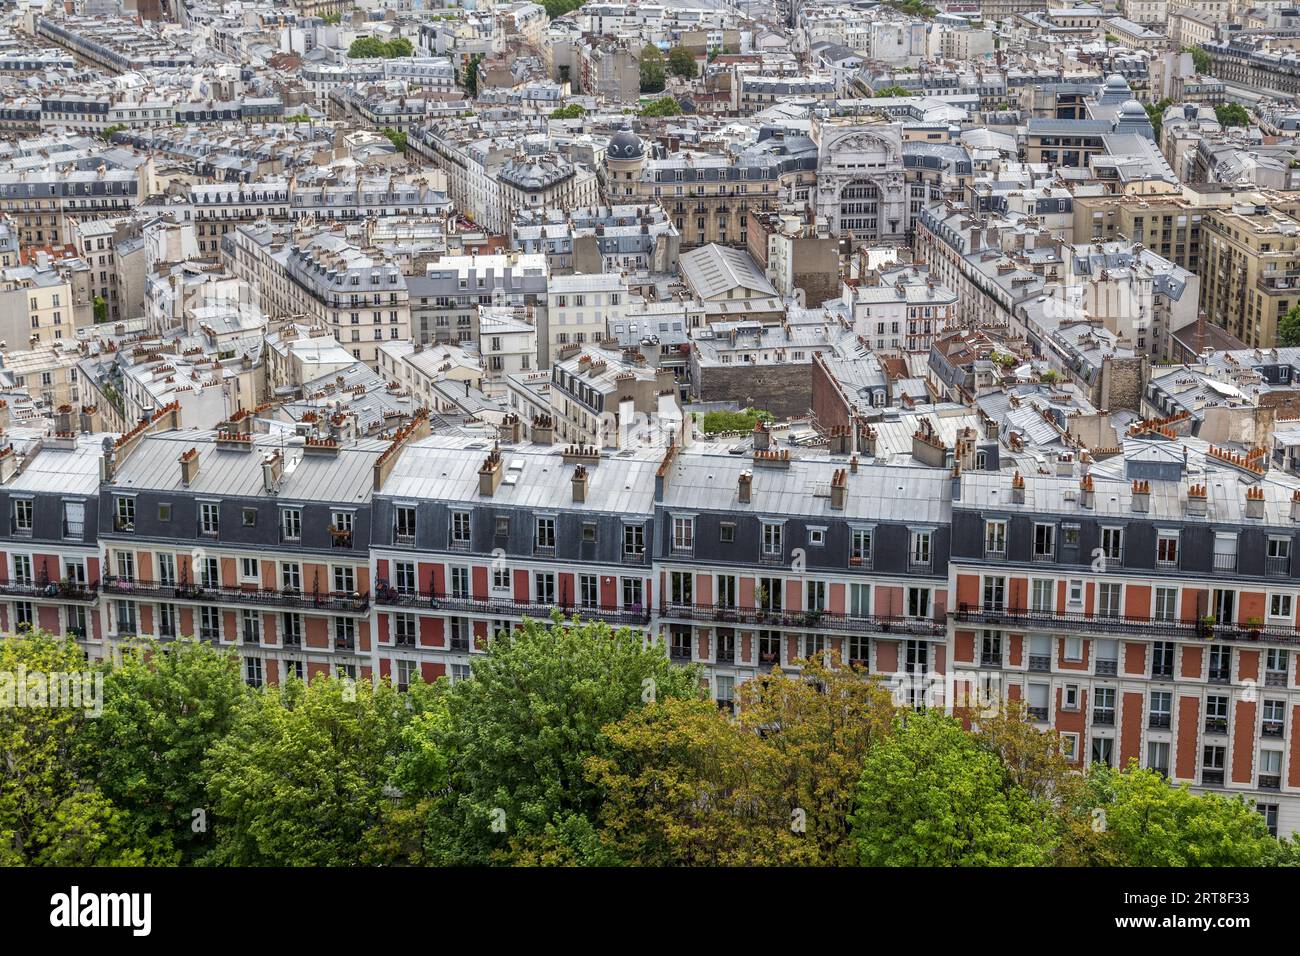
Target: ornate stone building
x=861 y=189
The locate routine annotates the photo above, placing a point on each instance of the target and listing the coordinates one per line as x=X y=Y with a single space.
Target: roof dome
x=1132 y=108
x=1116 y=82
x=625 y=144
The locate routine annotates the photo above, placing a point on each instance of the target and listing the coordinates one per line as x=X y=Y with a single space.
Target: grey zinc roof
x=909 y=494
x=446 y=469
x=345 y=478
x=60 y=471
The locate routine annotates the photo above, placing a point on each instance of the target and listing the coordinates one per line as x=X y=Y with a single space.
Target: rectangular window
x=1167 y=549
x=22 y=516
x=683 y=534
x=632 y=593
x=404 y=525
x=1044 y=542
x=344 y=579
x=588 y=590
x=1159 y=714
x=634 y=541
x=1042 y=596
x=209 y=518
x=404 y=577
x=124 y=516
x=920 y=553
x=544 y=587
x=995 y=540
x=1103 y=706
x=290 y=524
x=460 y=582
x=772 y=547
x=167 y=569
x=74 y=519
x=861 y=549
x=544 y=535
x=1108 y=599
x=460 y=529
x=341 y=529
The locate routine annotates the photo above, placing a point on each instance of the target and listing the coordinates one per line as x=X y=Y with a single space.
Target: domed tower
x=624 y=158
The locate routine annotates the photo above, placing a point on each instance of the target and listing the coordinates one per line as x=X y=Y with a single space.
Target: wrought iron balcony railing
x=508 y=607
x=289 y=597
x=805 y=620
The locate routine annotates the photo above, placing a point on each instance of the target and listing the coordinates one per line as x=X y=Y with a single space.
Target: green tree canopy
x=471 y=74
x=1200 y=59
x=742 y=421
x=571 y=111
x=1232 y=114
x=301 y=779
x=1144 y=821
x=51 y=812
x=165 y=707
x=1288 y=327
x=370 y=48
x=664 y=106
x=930 y=795
x=681 y=62
x=652 y=69
x=685 y=784
x=1156 y=113
x=558 y=8
x=516 y=735
x=395 y=136
x=893 y=90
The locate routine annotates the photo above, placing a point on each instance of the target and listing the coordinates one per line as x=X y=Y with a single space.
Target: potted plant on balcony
x=1207 y=626
x=811 y=618
x=760 y=599
x=1254 y=625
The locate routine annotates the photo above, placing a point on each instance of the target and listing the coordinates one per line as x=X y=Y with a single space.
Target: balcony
x=1274 y=678
x=1219 y=677
x=340 y=537
x=1040 y=662
x=1103 y=718
x=52 y=590
x=1118 y=624
x=288 y=598
x=1225 y=562
x=679 y=652
x=292 y=640
x=1107 y=668
x=805 y=620
x=725 y=654
x=1277 y=567
x=1212 y=778
x=1216 y=725
x=1162 y=673
x=1037 y=713
x=507 y=607
x=1270 y=781
x=990 y=660
x=456 y=544
x=345 y=643
x=1041 y=557
x=252 y=636
x=634 y=557
x=1158 y=721
x=458 y=645
x=995 y=554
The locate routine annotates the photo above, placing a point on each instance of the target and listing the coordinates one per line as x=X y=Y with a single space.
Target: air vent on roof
x=511 y=478
x=517 y=465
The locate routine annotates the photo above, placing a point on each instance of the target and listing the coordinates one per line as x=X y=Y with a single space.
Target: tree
x=100 y=309
x=110 y=130
x=367 y=48
x=395 y=136
x=165 y=707
x=516 y=736
x=664 y=106
x=398 y=47
x=1144 y=821
x=681 y=62
x=301 y=779
x=572 y=111
x=685 y=784
x=1288 y=327
x=742 y=421
x=51 y=814
x=893 y=90
x=1200 y=59
x=471 y=74
x=652 y=69
x=558 y=8
x=930 y=795
x=1156 y=113
x=1232 y=114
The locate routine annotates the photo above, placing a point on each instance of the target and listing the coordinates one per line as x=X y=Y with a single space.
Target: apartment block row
x=1143 y=604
